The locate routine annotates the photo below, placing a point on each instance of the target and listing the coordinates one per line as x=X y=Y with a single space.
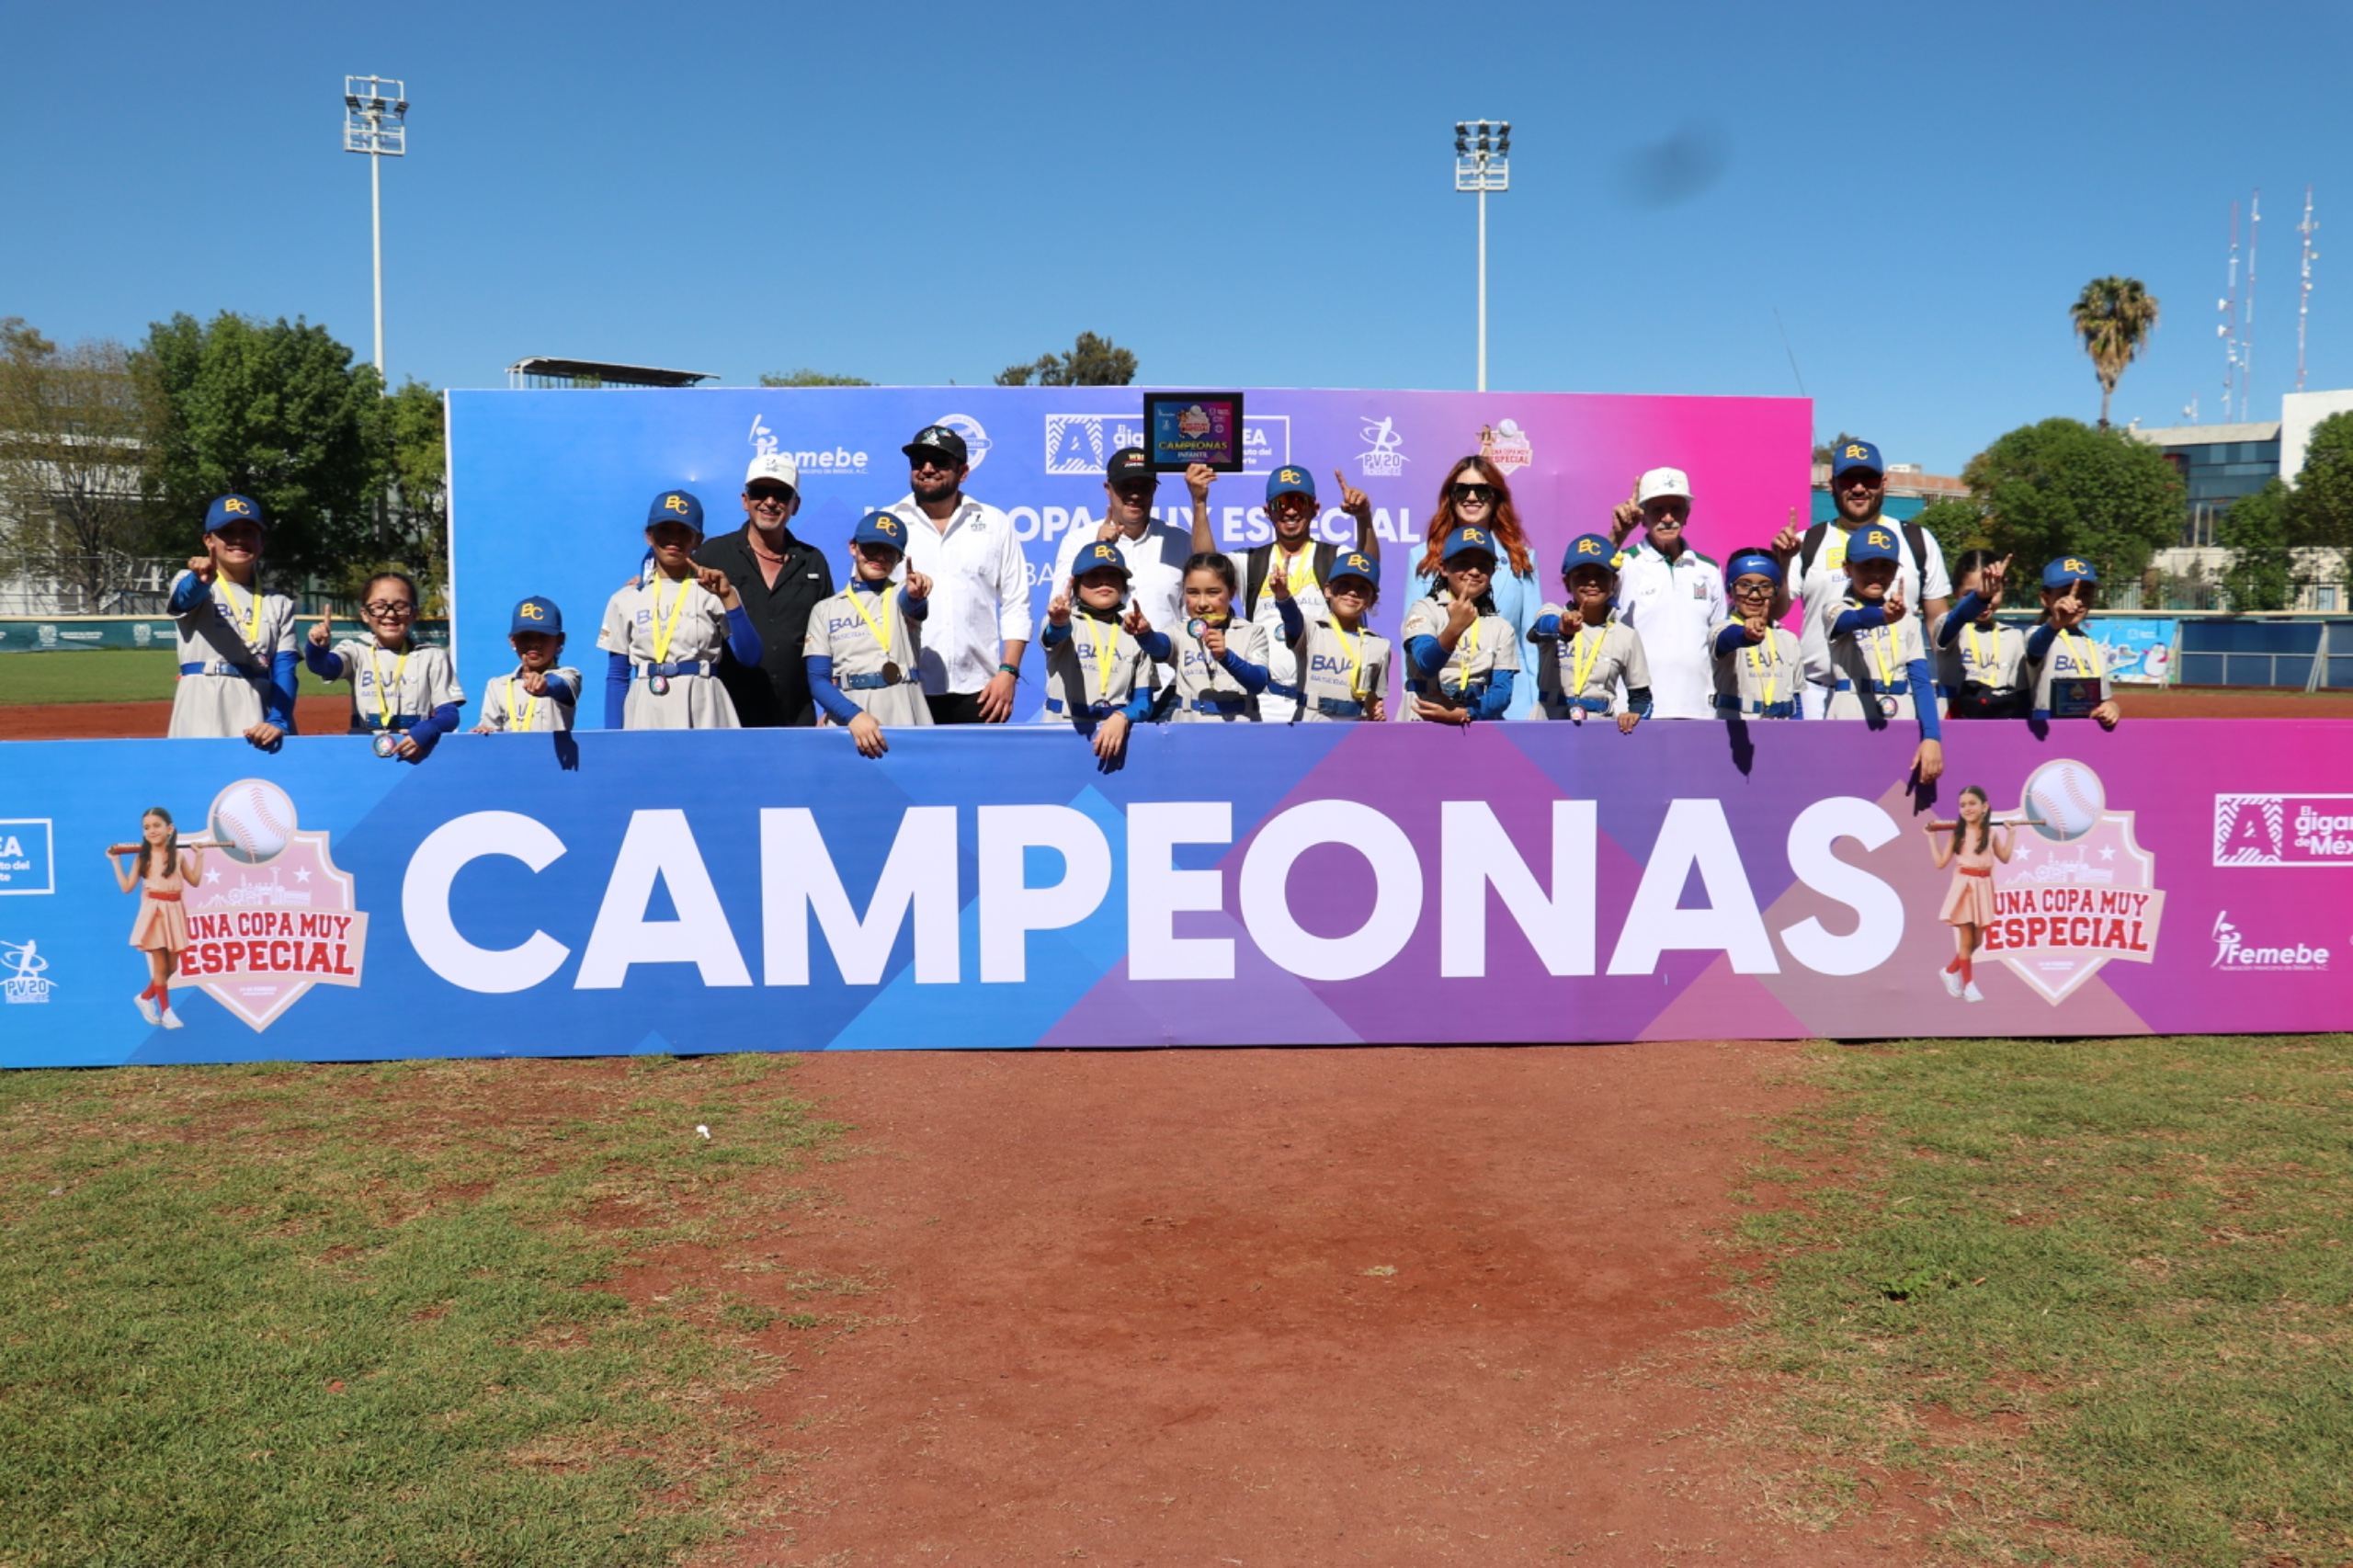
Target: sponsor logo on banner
x=1082 y=443
x=48 y=636
x=1383 y=456
x=26 y=864
x=1506 y=445
x=823 y=464
x=2233 y=950
x=2079 y=891
x=26 y=980
x=142 y=634
x=976 y=441
x=272 y=915
x=2284 y=830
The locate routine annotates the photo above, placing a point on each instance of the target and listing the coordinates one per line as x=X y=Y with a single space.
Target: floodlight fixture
x=374 y=123
x=1480 y=165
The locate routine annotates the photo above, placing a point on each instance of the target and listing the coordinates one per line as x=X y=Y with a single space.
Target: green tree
x=804 y=377
x=1092 y=363
x=72 y=428
x=2114 y=317
x=276 y=412
x=412 y=532
x=2063 y=488
x=2261 y=536
x=2322 y=508
x=1957 y=525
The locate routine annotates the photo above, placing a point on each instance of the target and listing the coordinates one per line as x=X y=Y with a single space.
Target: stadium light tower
x=374 y=111
x=1482 y=164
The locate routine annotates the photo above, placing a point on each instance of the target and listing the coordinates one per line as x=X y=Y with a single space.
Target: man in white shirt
x=979 y=623
x=1154 y=549
x=1815 y=564
x=1670 y=594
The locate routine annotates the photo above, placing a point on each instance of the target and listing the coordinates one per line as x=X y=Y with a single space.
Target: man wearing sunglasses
x=979 y=623
x=1154 y=549
x=780 y=579
x=1670 y=594
x=1815 y=563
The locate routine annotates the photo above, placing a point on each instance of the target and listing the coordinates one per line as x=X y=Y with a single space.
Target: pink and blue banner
x=772 y=890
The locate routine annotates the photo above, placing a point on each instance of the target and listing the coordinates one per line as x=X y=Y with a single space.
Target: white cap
x=1664 y=482
x=778 y=466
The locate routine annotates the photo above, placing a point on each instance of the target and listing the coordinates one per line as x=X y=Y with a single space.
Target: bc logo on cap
x=234 y=505
x=674 y=502
x=1854 y=449
x=1473 y=536
x=1587 y=547
x=530 y=611
x=1878 y=538
x=1354 y=563
x=2074 y=565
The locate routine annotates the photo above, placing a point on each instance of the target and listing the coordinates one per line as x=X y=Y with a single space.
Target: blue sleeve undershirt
x=1426 y=654
x=1139 y=704
x=324 y=663
x=189 y=593
x=742 y=640
x=279 y=707
x=831 y=697
x=1732 y=640
x=1294 y=623
x=2038 y=641
x=1637 y=700
x=1546 y=629
x=1251 y=676
x=1972 y=606
x=1055 y=635
x=1924 y=701
x=916 y=609
x=1859 y=617
x=616 y=690
x=1496 y=700
x=1156 y=645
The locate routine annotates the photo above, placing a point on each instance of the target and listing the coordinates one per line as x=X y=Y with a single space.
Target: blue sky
x=1245 y=195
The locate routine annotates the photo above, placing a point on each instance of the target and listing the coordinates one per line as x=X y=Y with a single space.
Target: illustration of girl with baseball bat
x=1968 y=905
x=164 y=869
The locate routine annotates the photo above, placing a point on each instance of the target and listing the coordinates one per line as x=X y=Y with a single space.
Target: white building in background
x=2220 y=463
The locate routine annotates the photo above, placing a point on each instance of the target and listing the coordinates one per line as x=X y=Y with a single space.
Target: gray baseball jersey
x=234 y=635
x=1759 y=680
x=509 y=707
x=1095 y=670
x=1588 y=674
x=677 y=623
x=1205 y=690
x=2072 y=655
x=1341 y=672
x=1874 y=666
x=1487 y=644
x=882 y=675
x=401 y=688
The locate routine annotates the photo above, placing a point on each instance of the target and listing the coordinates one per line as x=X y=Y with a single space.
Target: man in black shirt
x=780 y=580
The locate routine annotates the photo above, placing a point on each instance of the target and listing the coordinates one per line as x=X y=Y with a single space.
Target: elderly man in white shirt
x=1154 y=550
x=979 y=623
x=1670 y=594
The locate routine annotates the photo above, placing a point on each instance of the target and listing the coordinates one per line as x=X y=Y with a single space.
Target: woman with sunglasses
x=1474 y=495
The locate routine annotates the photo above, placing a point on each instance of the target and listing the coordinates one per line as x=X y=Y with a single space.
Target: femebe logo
x=2233 y=950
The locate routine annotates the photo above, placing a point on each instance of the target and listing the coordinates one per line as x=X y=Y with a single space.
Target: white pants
x=1814 y=699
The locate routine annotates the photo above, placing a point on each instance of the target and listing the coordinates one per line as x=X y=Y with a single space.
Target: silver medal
x=658 y=684
x=386 y=743
x=1888 y=706
x=1195 y=627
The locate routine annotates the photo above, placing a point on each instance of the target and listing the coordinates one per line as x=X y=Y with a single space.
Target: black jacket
x=778 y=692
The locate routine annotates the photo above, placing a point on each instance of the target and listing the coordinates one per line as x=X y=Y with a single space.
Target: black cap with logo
x=1129 y=464
x=937 y=440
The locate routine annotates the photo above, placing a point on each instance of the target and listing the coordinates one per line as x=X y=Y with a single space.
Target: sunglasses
x=766 y=492
x=1475 y=492
x=936 y=463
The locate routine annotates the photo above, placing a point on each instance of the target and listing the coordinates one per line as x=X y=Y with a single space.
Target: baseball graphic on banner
x=2064 y=800
x=252 y=821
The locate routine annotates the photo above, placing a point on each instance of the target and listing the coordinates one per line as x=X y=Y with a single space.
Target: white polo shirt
x=1671 y=604
x=1156 y=560
x=980 y=592
x=1823 y=591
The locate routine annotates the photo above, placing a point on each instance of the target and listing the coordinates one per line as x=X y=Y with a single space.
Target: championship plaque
x=2074 y=696
x=1184 y=428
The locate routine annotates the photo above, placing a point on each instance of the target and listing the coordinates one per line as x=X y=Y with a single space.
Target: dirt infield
x=327 y=715
x=1271 y=1307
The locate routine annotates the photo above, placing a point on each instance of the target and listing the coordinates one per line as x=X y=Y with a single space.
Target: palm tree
x=2114 y=317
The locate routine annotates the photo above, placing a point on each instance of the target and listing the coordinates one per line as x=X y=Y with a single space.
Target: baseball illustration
x=2065 y=799
x=252 y=821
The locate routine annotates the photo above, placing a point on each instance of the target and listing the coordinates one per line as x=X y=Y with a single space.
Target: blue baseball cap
x=1588 y=549
x=1752 y=563
x=1290 y=480
x=1353 y=563
x=2069 y=568
x=536 y=614
x=1876 y=542
x=1100 y=553
x=675 y=506
x=881 y=528
x=1467 y=538
x=1855 y=454
x=227 y=509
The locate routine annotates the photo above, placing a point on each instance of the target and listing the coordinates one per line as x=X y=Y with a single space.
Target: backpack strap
x=1919 y=543
x=1810 y=549
x=1253 y=578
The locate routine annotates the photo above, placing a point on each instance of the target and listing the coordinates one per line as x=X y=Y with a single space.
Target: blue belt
x=1339 y=708
x=1470 y=689
x=1098 y=710
x=676 y=667
x=1760 y=710
x=363 y=725
x=876 y=682
x=1892 y=688
x=1279 y=689
x=249 y=672
x=1590 y=704
x=1219 y=704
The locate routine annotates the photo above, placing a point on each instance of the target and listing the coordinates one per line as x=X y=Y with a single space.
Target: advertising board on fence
x=770 y=890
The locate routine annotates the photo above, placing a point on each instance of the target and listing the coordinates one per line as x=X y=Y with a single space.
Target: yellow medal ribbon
x=661 y=633
x=1881 y=637
x=530 y=705
x=881 y=627
x=1355 y=672
x=1465 y=651
x=383 y=703
x=1107 y=651
x=253 y=614
x=1766 y=672
x=1977 y=650
x=2088 y=659
x=1582 y=663
x=1299 y=571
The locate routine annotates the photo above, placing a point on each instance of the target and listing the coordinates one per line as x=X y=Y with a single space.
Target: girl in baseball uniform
x=539 y=695
x=662 y=637
x=1098 y=664
x=1875 y=654
x=1758 y=667
x=1461 y=655
x=2068 y=677
x=1979 y=661
x=404 y=695
x=1977 y=842
x=1343 y=663
x=236 y=643
x=161 y=872
x=1584 y=653
x=1217 y=664
x=864 y=649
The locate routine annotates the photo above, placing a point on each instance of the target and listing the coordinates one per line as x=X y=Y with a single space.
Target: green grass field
x=355 y=1315
x=2096 y=1292
x=108 y=675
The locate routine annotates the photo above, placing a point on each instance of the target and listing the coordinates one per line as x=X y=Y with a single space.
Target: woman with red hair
x=1474 y=495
